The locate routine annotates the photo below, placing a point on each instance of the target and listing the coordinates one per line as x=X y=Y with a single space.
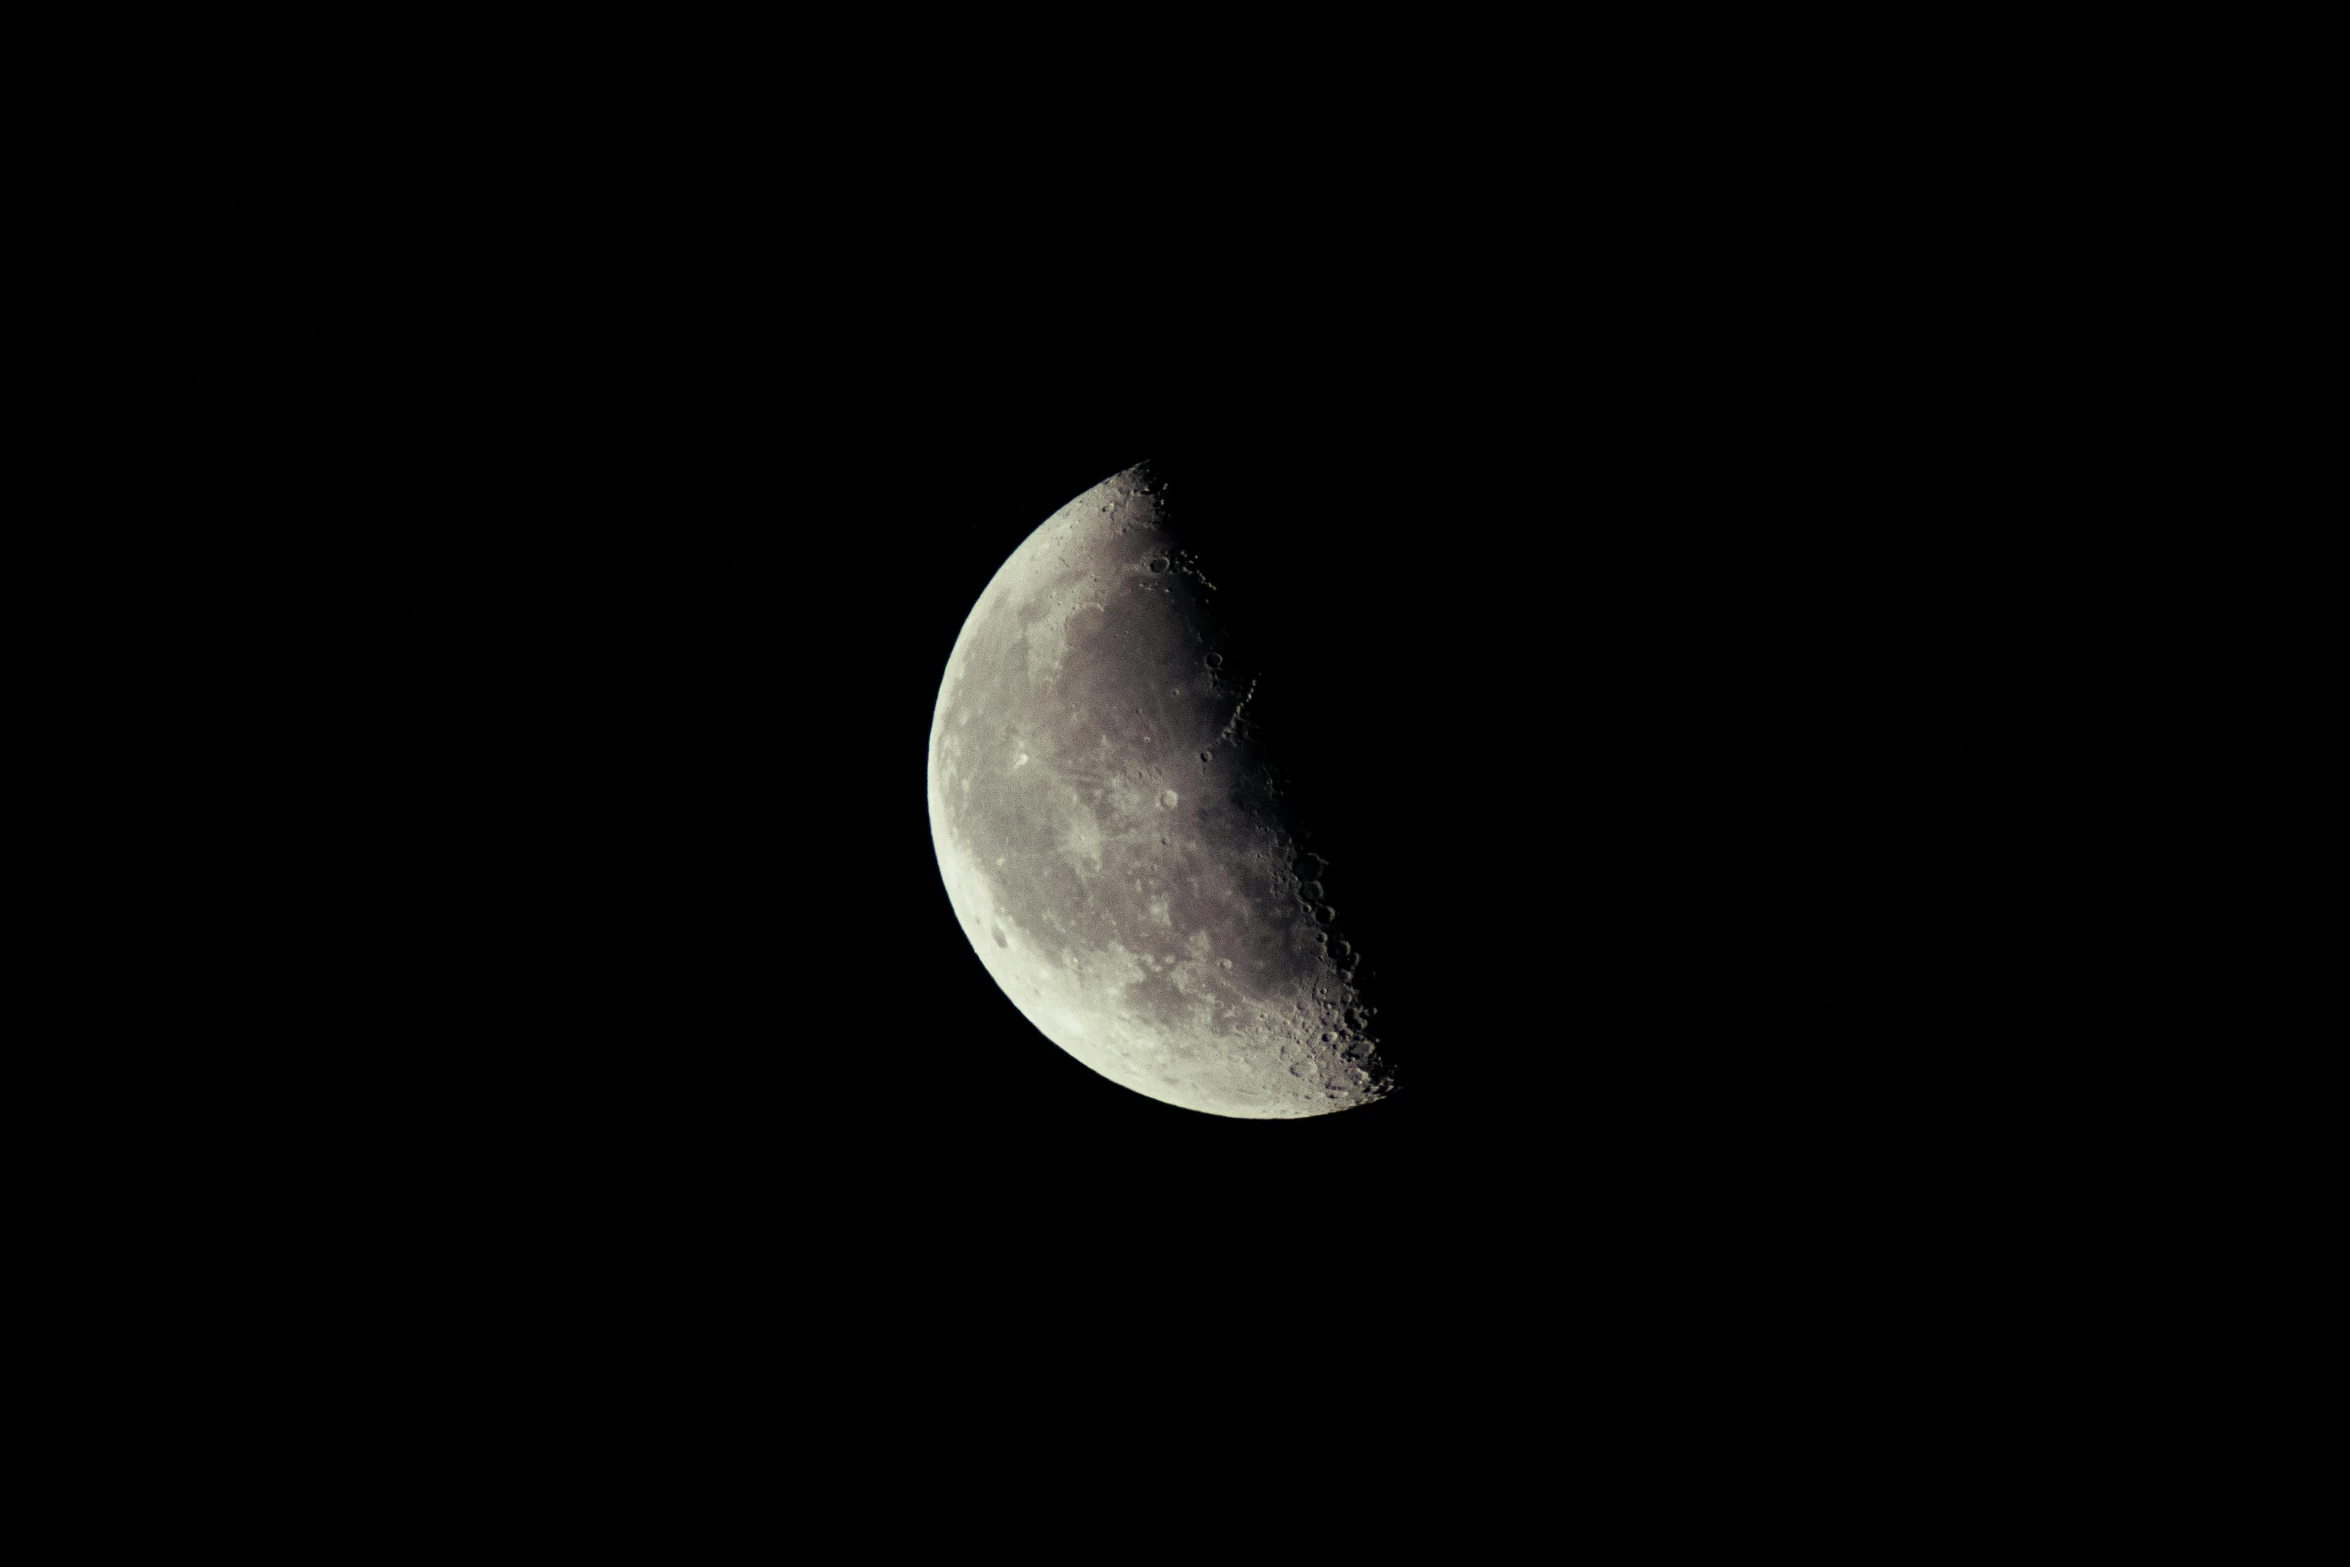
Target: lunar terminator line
x=1115 y=843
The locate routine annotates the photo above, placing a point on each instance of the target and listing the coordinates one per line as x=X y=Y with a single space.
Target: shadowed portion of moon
x=1116 y=840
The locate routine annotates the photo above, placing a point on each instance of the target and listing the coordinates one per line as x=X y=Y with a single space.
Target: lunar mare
x=1115 y=845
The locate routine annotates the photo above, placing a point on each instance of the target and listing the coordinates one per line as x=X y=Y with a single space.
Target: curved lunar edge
x=1118 y=847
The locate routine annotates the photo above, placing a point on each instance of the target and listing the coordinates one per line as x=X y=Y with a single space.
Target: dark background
x=570 y=535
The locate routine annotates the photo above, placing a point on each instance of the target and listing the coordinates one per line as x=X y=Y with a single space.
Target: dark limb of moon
x=1116 y=840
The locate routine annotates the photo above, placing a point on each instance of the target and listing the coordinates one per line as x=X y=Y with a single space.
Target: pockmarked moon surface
x=1116 y=840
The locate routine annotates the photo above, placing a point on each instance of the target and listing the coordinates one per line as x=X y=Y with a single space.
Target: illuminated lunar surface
x=1115 y=844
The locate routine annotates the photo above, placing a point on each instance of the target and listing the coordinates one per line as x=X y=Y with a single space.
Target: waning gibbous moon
x=1114 y=841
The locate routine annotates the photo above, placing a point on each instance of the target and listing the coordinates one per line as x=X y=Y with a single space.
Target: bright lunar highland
x=1115 y=842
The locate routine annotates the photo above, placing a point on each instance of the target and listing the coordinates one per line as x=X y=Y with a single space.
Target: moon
x=1117 y=842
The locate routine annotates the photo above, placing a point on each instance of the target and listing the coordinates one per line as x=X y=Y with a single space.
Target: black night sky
x=1643 y=533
